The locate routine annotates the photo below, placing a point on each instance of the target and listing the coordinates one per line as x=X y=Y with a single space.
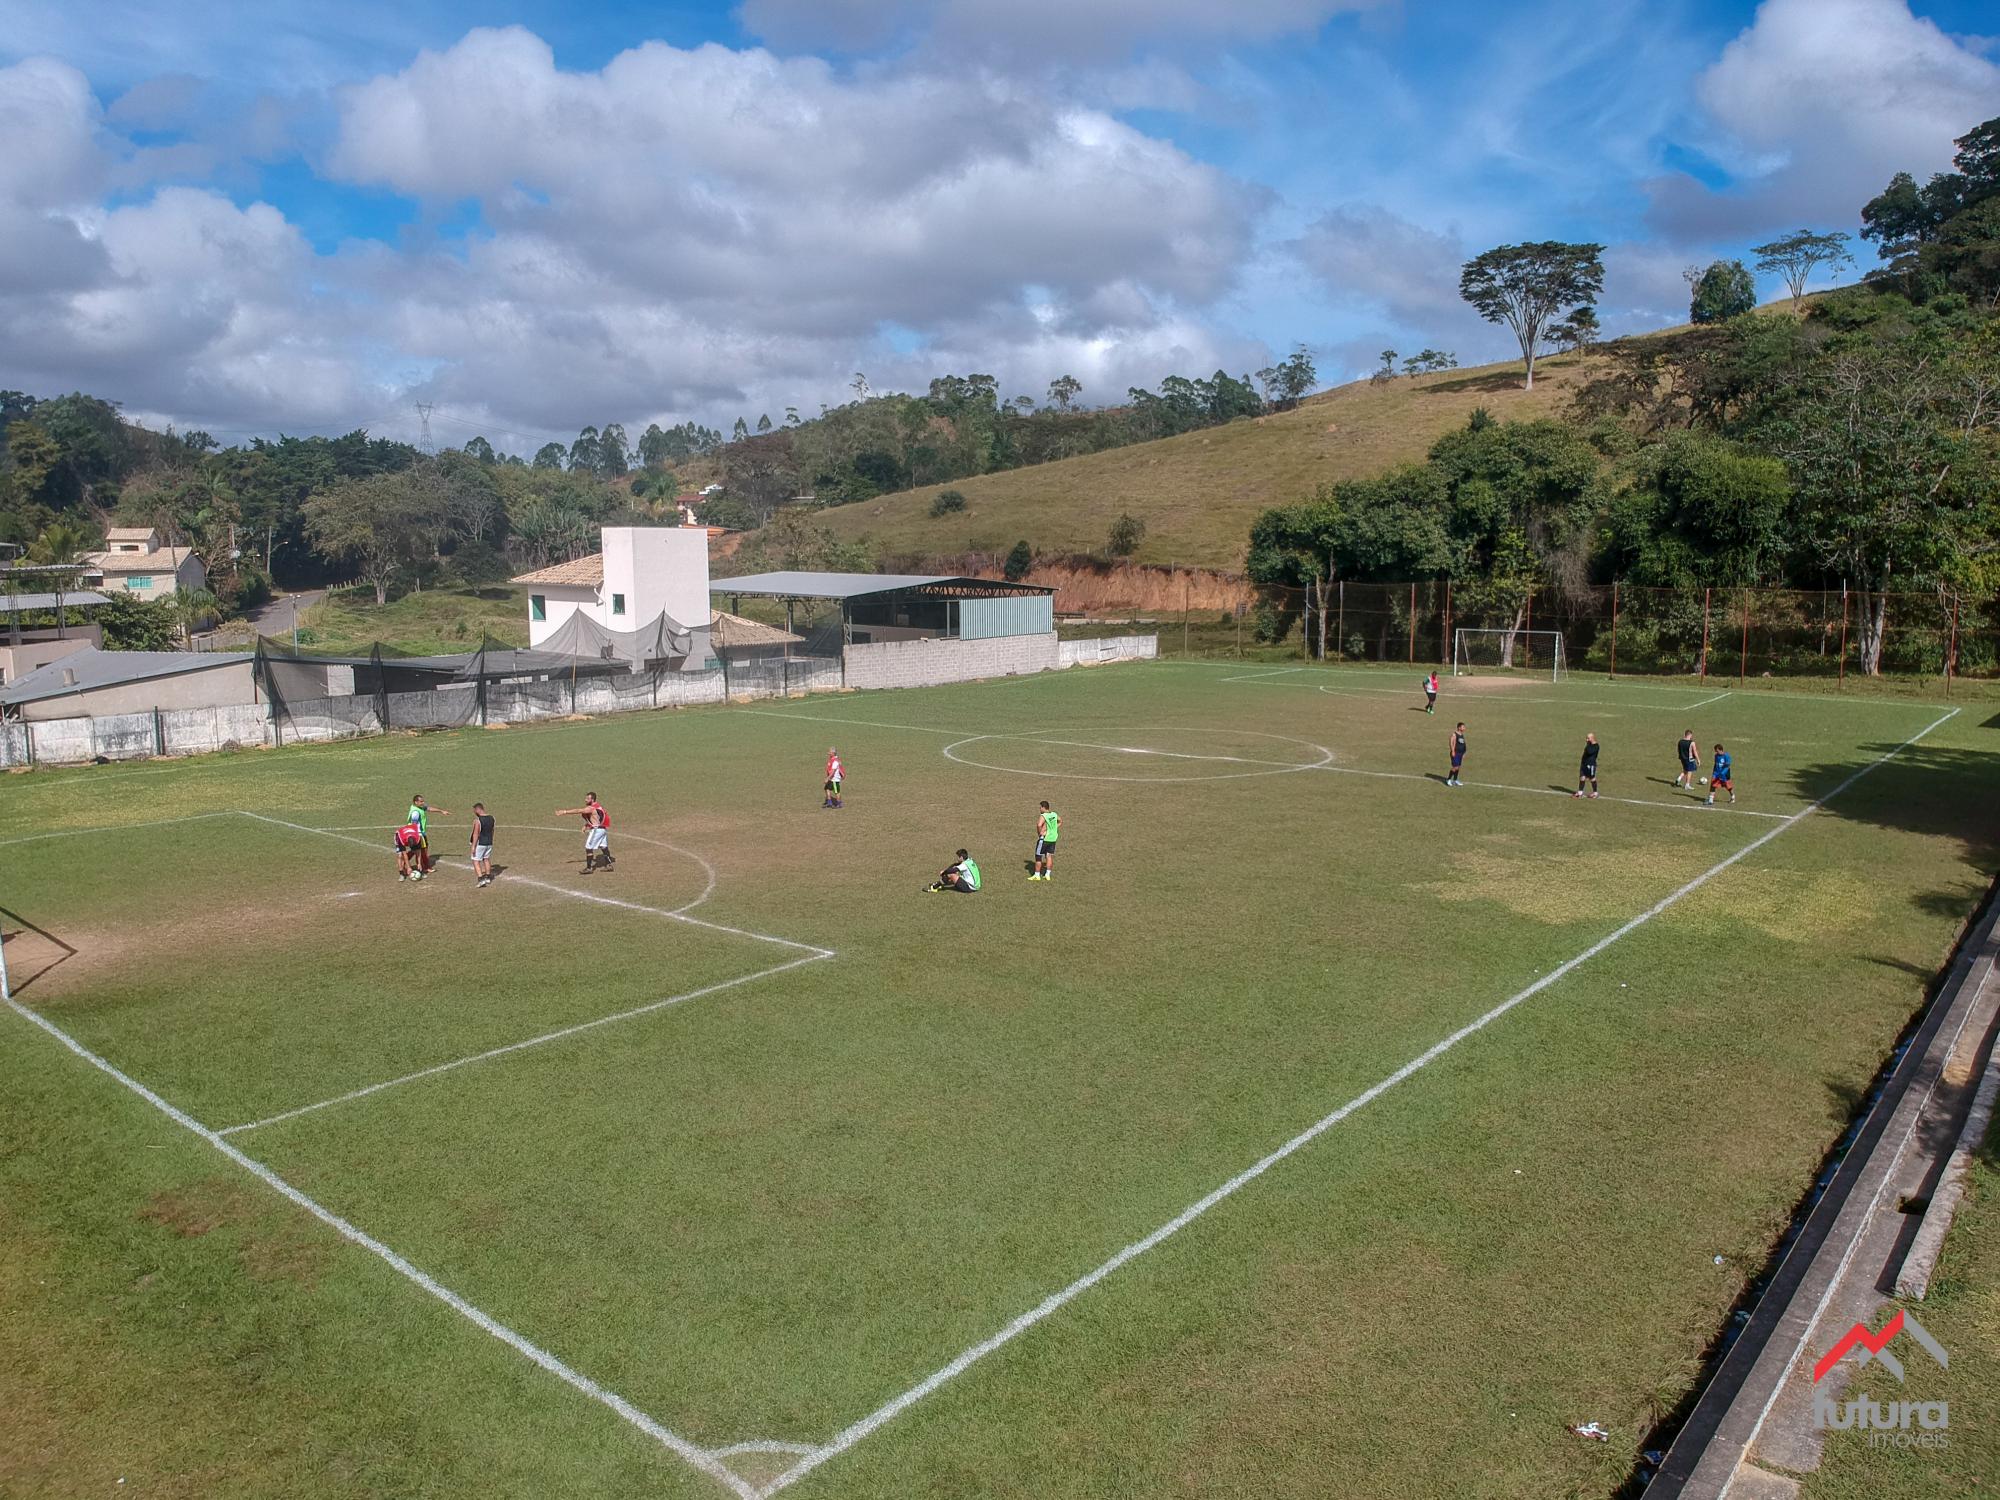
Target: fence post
x=1843 y=633
x=1187 y=603
x=1528 y=639
x=1340 y=618
x=1707 y=598
x=1614 y=627
x=1951 y=651
x=1444 y=631
x=1413 y=624
x=159 y=734
x=1743 y=656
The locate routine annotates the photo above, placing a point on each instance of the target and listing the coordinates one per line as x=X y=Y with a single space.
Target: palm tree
x=57 y=550
x=188 y=606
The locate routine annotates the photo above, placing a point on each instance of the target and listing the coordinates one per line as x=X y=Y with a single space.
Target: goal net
x=1539 y=652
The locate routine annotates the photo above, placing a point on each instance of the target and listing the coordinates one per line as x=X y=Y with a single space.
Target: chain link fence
x=1738 y=634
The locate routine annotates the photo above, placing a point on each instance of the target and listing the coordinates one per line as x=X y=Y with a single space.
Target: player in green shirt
x=420 y=814
x=962 y=877
x=1048 y=828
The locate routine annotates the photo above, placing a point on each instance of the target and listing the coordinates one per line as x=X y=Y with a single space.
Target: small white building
x=642 y=573
x=137 y=561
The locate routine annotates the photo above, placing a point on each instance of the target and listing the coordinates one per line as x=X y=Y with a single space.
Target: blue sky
x=256 y=217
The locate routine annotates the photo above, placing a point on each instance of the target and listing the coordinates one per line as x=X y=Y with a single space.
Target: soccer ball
x=1704 y=781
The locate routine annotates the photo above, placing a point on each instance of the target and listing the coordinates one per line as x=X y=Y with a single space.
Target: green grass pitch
x=793 y=1177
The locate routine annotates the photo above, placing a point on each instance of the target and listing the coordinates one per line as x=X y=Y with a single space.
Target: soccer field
x=1317 y=1130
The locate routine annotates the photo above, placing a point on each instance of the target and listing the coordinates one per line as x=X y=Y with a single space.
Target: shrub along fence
x=1611 y=629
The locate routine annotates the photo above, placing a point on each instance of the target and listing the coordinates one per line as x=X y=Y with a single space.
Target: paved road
x=275 y=618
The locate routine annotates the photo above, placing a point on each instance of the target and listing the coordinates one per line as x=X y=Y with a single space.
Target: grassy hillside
x=1199 y=492
x=436 y=622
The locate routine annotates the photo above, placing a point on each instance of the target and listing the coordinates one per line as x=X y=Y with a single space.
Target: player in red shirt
x=409 y=850
x=596 y=831
x=835 y=773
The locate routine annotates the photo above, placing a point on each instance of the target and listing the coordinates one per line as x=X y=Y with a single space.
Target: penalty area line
x=855 y=1432
x=692 y=1453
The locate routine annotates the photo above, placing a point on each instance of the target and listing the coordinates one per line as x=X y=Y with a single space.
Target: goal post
x=1538 y=652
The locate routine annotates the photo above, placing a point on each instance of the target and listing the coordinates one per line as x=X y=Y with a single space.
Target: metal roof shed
x=902 y=606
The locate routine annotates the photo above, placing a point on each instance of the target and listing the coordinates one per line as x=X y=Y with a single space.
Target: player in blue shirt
x=1718 y=776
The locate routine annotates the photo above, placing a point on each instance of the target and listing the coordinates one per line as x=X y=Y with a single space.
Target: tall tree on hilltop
x=1532 y=287
x=1722 y=291
x=1797 y=255
x=1063 y=390
x=1290 y=380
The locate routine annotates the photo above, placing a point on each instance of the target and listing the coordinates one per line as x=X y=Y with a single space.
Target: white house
x=136 y=561
x=642 y=573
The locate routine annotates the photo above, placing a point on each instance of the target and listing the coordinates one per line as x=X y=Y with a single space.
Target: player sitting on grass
x=596 y=831
x=409 y=852
x=834 y=772
x=1457 y=747
x=420 y=814
x=1719 y=776
x=1690 y=760
x=962 y=877
x=1048 y=828
x=482 y=845
x=1588 y=770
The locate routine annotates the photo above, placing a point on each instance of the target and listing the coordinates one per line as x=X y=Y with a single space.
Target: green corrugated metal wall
x=980 y=619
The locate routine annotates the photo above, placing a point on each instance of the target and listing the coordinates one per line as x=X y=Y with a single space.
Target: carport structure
x=905 y=606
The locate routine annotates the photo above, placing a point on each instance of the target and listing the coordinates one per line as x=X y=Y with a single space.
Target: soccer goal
x=1537 y=651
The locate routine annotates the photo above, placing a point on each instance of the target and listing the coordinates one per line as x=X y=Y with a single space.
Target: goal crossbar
x=1502 y=650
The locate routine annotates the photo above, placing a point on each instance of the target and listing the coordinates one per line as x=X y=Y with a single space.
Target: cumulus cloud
x=1816 y=106
x=681 y=233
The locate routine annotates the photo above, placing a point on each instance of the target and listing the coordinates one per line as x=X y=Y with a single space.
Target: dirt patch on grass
x=198 y=1209
x=285 y=1253
x=1800 y=906
x=1591 y=884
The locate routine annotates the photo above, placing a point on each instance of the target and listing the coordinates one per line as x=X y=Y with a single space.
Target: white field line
x=1767 y=695
x=1706 y=701
x=692 y=1453
x=1490 y=786
x=708 y=870
x=1055 y=1301
x=1256 y=676
x=73 y=833
x=535 y=1041
x=679 y=915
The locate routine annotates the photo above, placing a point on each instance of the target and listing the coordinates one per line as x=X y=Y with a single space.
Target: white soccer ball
x=1704 y=781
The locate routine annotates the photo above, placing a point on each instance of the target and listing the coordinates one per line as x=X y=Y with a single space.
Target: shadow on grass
x=1934 y=791
x=22 y=974
x=1505 y=381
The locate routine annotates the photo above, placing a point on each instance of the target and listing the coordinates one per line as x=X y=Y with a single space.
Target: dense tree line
x=1855 y=446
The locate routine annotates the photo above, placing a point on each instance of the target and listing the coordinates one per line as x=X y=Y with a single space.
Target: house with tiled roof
x=643 y=572
x=136 y=560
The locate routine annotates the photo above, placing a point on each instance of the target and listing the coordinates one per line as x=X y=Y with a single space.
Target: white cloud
x=1818 y=103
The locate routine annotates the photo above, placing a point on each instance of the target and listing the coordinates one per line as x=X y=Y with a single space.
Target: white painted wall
x=656 y=568
x=560 y=601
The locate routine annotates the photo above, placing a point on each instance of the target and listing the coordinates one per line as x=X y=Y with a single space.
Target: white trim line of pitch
x=533 y=1041
x=1055 y=1301
x=74 y=833
x=692 y=1453
x=677 y=915
x=1035 y=738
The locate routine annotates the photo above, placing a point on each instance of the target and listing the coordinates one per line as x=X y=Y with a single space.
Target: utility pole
x=424 y=410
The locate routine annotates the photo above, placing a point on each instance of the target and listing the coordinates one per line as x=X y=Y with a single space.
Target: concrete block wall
x=190 y=731
x=885 y=664
x=929 y=663
x=1108 y=648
